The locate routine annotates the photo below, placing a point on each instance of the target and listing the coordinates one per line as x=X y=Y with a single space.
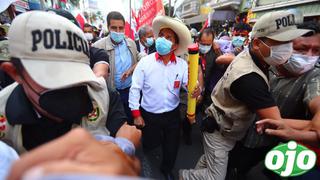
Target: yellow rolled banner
x=193 y=60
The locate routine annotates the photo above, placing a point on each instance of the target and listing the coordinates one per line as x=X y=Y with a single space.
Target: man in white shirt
x=160 y=76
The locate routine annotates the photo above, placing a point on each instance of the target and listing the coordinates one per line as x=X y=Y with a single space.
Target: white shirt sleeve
x=136 y=86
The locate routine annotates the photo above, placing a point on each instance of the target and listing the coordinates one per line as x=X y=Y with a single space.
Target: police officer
x=55 y=88
x=243 y=92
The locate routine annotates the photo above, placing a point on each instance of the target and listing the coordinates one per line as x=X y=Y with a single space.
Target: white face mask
x=88 y=36
x=204 y=48
x=279 y=54
x=299 y=63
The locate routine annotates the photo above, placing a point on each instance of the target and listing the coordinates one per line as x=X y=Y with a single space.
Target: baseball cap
x=278 y=25
x=53 y=50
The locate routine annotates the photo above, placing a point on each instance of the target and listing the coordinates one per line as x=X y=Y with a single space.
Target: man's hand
x=139 y=122
x=275 y=128
x=196 y=92
x=125 y=75
x=199 y=99
x=131 y=133
x=77 y=152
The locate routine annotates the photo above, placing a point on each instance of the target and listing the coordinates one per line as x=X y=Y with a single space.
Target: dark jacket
x=151 y=49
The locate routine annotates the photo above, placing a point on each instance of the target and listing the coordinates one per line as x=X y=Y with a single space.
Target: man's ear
x=255 y=44
x=11 y=70
x=174 y=47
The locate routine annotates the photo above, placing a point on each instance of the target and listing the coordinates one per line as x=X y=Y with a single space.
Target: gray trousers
x=212 y=165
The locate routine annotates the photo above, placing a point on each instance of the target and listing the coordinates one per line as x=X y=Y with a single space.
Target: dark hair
x=17 y=64
x=87 y=25
x=143 y=30
x=242 y=27
x=207 y=31
x=310 y=25
x=116 y=16
x=176 y=37
x=65 y=14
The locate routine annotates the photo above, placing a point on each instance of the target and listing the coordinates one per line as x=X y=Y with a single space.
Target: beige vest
x=95 y=122
x=232 y=115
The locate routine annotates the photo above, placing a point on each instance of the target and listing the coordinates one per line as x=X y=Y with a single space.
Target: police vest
x=232 y=115
x=94 y=122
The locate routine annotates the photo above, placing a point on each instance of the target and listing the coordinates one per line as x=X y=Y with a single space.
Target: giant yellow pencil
x=193 y=59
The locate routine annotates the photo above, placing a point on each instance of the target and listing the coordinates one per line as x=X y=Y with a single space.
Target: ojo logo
x=290 y=159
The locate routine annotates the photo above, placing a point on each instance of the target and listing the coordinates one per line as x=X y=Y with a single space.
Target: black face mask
x=69 y=104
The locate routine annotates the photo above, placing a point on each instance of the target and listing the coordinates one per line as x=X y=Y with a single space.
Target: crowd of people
x=74 y=105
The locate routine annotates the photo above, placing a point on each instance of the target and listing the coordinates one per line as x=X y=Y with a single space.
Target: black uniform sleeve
x=97 y=55
x=252 y=90
x=116 y=115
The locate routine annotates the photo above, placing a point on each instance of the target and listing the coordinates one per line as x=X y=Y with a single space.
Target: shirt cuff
x=101 y=62
x=124 y=144
x=135 y=113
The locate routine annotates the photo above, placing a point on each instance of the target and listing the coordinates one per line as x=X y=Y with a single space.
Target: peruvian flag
x=131 y=30
x=149 y=10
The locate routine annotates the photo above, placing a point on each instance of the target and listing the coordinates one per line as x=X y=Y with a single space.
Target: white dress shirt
x=160 y=84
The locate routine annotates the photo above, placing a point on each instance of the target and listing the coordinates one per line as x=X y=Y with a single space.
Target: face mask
x=116 y=37
x=69 y=104
x=149 y=42
x=204 y=48
x=299 y=63
x=238 y=41
x=88 y=36
x=279 y=54
x=163 y=46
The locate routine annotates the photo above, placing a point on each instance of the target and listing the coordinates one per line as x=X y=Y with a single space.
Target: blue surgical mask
x=149 y=42
x=238 y=41
x=116 y=37
x=204 y=49
x=163 y=46
x=299 y=63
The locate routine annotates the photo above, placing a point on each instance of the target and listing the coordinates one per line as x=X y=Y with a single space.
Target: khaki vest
x=95 y=122
x=232 y=115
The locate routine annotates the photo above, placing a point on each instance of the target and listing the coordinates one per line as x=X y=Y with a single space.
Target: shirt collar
x=160 y=58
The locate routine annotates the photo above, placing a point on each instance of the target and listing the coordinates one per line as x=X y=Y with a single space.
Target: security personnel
x=55 y=88
x=243 y=92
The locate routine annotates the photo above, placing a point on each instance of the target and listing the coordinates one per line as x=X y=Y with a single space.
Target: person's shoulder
x=181 y=61
x=100 y=43
x=148 y=58
x=130 y=40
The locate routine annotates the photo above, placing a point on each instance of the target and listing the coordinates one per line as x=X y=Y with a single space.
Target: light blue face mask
x=163 y=46
x=116 y=37
x=238 y=41
x=204 y=49
x=149 y=42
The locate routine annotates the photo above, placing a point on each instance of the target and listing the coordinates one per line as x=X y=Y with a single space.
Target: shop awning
x=196 y=19
x=310 y=9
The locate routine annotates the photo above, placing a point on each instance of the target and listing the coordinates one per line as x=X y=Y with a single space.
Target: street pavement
x=187 y=158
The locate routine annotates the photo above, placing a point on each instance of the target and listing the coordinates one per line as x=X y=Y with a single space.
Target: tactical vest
x=232 y=115
x=94 y=122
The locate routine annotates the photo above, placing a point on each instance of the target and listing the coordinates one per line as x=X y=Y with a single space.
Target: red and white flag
x=150 y=9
